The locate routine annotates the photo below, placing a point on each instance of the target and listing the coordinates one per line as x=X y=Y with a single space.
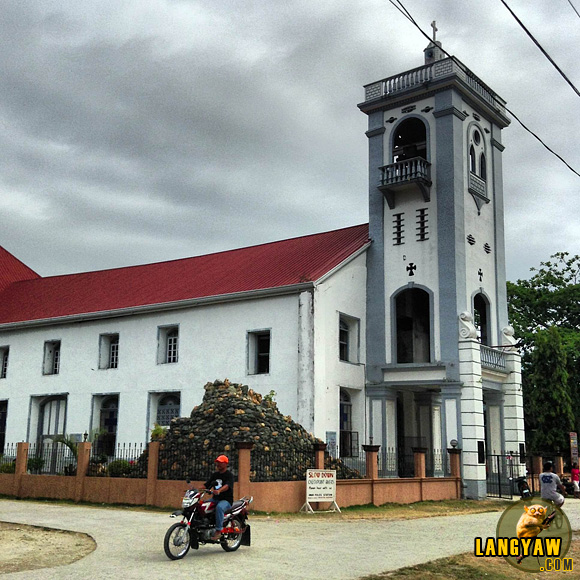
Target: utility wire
x=401 y=8
x=541 y=47
x=573 y=8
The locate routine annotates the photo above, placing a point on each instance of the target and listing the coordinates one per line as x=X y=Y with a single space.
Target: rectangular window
x=4 y=361
x=109 y=351
x=348 y=338
x=259 y=352
x=422 y=228
x=168 y=345
x=398 y=236
x=51 y=365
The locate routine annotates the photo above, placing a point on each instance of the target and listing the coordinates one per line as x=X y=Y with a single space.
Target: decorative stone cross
x=411 y=269
x=435 y=29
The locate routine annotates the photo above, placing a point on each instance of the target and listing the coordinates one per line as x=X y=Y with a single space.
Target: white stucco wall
x=344 y=292
x=482 y=227
x=423 y=254
x=212 y=345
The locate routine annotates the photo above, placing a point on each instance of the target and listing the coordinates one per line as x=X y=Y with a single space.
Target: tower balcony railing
x=446 y=67
x=402 y=172
x=402 y=175
x=493 y=358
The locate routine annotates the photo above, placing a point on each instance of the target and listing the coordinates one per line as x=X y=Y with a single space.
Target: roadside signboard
x=320 y=487
x=574 y=447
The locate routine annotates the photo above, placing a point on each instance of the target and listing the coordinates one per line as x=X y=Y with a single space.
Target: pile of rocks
x=282 y=449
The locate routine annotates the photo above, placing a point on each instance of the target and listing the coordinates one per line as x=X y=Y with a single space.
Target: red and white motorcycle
x=197 y=525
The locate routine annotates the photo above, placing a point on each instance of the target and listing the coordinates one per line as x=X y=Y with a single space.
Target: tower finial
x=435 y=29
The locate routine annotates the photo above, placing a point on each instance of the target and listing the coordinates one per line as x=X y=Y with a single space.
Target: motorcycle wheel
x=176 y=543
x=231 y=542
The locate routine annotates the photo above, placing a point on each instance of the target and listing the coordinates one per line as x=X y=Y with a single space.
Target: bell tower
x=441 y=361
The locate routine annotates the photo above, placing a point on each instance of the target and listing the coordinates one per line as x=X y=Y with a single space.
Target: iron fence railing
x=8 y=458
x=196 y=464
x=128 y=460
x=52 y=458
x=287 y=465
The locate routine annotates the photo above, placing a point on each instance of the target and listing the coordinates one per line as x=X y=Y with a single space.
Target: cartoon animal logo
x=532 y=522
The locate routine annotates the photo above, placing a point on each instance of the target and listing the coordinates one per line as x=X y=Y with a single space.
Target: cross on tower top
x=435 y=29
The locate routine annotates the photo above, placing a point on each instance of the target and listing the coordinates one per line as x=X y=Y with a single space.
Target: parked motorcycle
x=522 y=486
x=197 y=525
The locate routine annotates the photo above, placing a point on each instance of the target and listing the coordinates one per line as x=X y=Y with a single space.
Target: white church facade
x=393 y=332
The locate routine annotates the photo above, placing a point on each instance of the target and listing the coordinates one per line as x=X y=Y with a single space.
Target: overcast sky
x=136 y=131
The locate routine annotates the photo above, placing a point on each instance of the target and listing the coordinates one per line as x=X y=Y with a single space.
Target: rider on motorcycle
x=221 y=485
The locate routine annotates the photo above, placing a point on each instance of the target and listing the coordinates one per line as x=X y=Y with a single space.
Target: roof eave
x=161 y=307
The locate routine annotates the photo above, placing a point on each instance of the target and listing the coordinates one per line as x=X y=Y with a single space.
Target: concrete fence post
x=152 y=469
x=319 y=449
x=559 y=465
x=83 y=458
x=244 y=466
x=455 y=464
x=419 y=460
x=21 y=465
x=372 y=461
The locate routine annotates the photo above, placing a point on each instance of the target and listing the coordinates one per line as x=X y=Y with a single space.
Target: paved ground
x=130 y=544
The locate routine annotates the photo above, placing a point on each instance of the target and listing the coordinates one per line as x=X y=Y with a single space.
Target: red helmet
x=222 y=459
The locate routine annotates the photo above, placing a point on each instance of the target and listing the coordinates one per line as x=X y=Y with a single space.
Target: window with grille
x=3 y=361
x=109 y=351
x=398 y=236
x=51 y=364
x=259 y=352
x=422 y=226
x=168 y=347
x=167 y=409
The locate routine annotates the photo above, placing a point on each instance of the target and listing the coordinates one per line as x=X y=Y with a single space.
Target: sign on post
x=320 y=487
x=574 y=447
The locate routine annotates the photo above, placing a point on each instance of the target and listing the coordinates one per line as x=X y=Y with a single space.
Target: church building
x=393 y=333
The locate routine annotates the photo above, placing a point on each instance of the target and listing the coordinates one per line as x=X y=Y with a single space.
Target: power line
x=541 y=48
x=573 y=8
x=401 y=8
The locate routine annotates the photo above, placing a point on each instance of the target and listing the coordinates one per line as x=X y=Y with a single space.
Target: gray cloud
x=134 y=132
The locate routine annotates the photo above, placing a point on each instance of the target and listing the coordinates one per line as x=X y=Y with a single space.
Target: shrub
x=119 y=468
x=8 y=468
x=35 y=464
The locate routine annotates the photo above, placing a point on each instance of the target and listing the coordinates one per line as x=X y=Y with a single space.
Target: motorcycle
x=522 y=486
x=197 y=525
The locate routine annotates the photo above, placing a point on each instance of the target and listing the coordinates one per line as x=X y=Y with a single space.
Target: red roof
x=272 y=265
x=12 y=270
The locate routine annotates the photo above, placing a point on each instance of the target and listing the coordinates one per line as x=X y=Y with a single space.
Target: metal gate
x=499 y=475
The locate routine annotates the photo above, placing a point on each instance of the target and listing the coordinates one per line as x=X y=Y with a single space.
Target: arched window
x=51 y=419
x=410 y=140
x=482 y=167
x=167 y=409
x=472 y=166
x=481 y=318
x=413 y=326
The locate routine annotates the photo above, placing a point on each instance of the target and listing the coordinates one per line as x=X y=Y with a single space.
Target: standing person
x=575 y=477
x=221 y=485
x=550 y=484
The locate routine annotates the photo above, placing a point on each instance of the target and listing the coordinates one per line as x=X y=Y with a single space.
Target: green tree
x=548 y=398
x=549 y=299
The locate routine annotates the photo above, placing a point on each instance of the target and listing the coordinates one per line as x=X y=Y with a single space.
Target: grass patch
x=397 y=511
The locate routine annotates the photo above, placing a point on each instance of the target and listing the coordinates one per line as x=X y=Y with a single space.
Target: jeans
x=220 y=508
